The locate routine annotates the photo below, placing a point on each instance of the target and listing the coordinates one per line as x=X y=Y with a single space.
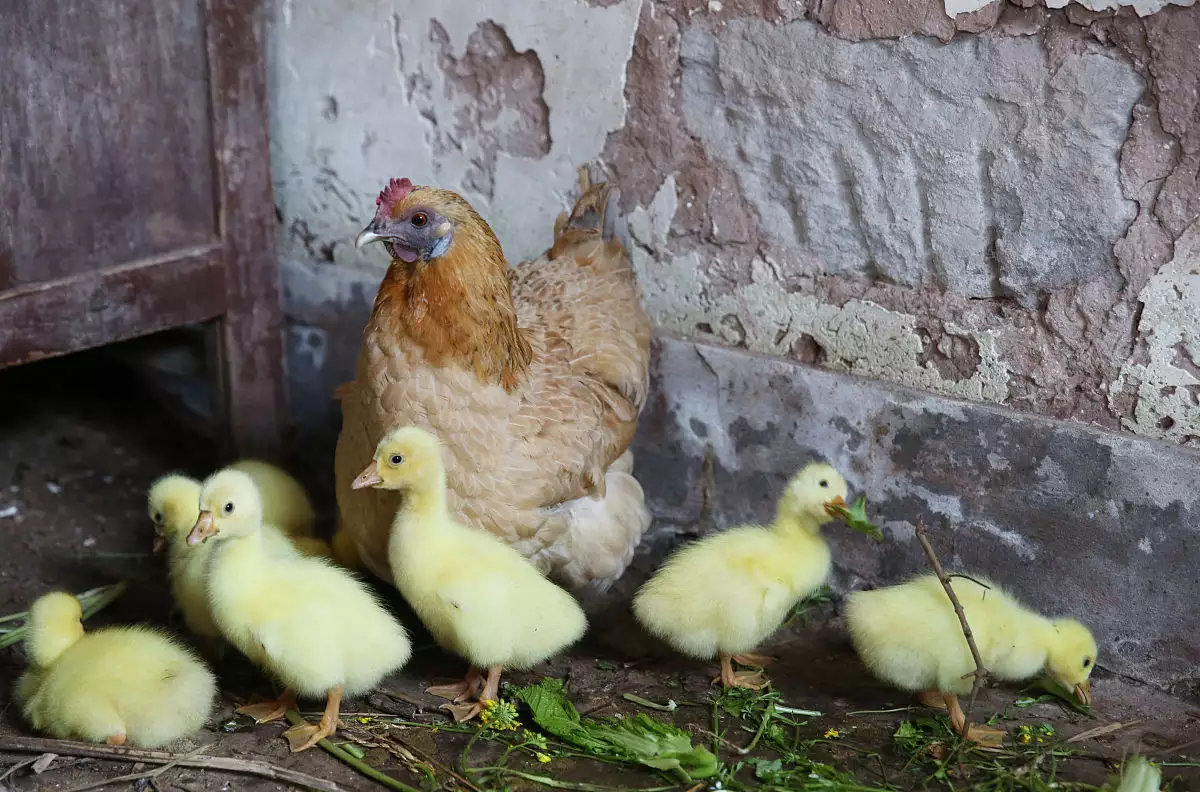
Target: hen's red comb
x=396 y=190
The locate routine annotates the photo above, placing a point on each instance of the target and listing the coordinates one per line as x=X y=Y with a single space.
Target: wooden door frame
x=233 y=283
x=248 y=338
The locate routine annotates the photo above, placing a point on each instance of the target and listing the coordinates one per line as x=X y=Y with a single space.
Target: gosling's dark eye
x=1087 y=662
x=419 y=219
x=824 y=483
x=157 y=516
x=396 y=459
x=229 y=508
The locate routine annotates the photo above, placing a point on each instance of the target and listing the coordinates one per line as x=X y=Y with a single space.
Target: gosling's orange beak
x=160 y=544
x=205 y=527
x=1083 y=693
x=837 y=503
x=368 y=478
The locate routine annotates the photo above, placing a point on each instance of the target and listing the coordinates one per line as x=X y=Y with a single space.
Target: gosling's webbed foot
x=986 y=736
x=458 y=691
x=267 y=711
x=465 y=711
x=753 y=659
x=306 y=735
x=303 y=736
x=751 y=680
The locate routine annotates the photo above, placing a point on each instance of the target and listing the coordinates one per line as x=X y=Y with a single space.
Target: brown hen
x=532 y=378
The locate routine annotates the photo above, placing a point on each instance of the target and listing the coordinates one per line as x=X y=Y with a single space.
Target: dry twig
x=1100 y=731
x=429 y=759
x=19 y=744
x=980 y=670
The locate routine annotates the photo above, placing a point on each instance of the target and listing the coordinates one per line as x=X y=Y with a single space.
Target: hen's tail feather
x=594 y=215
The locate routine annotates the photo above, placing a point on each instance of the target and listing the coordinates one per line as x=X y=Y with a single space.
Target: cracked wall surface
x=994 y=202
x=968 y=205
x=501 y=101
x=956 y=166
x=1164 y=371
x=1141 y=7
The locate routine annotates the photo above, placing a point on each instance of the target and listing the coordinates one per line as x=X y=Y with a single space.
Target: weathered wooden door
x=135 y=189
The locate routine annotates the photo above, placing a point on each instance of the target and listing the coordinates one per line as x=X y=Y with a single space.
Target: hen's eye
x=229 y=508
x=396 y=459
x=419 y=219
x=824 y=483
x=1087 y=661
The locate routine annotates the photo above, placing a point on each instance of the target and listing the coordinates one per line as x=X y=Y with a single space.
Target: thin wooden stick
x=980 y=670
x=20 y=744
x=431 y=760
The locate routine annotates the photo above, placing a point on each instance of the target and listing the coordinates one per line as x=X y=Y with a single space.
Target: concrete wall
x=990 y=203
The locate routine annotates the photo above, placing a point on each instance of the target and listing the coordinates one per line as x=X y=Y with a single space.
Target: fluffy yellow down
x=173 y=504
x=909 y=635
x=479 y=597
x=728 y=592
x=118 y=685
x=285 y=503
x=310 y=624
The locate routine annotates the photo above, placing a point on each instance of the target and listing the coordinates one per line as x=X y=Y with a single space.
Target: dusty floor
x=79 y=442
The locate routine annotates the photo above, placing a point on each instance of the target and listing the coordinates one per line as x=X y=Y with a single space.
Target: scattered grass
x=804 y=608
x=758 y=744
x=774 y=727
x=1029 y=762
x=670 y=706
x=355 y=762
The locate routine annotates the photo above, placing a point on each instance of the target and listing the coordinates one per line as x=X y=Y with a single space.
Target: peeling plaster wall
x=970 y=205
x=1142 y=7
x=486 y=97
x=1165 y=369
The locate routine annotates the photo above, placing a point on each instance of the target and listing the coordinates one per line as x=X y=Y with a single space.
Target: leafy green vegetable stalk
x=638 y=740
x=855 y=516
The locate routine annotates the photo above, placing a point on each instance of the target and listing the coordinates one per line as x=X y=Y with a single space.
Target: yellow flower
x=364 y=720
x=832 y=734
x=541 y=757
x=499 y=715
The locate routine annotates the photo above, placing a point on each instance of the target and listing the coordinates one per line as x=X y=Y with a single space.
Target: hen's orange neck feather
x=458 y=307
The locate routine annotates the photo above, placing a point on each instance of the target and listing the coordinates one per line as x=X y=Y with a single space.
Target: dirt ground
x=80 y=440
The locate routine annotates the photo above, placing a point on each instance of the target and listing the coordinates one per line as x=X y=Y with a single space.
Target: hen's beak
x=366 y=236
x=837 y=503
x=205 y=527
x=368 y=478
x=160 y=544
x=1083 y=693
